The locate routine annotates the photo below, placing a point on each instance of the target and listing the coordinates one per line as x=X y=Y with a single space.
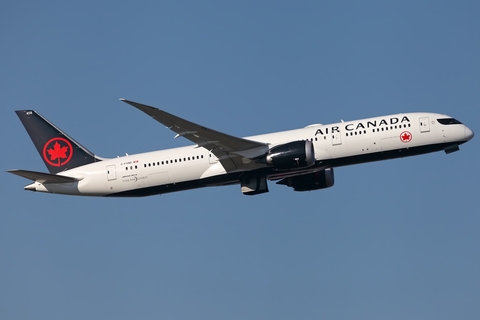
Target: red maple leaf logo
x=406 y=136
x=57 y=152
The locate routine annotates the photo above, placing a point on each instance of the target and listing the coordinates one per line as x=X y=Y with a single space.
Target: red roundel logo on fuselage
x=57 y=152
x=406 y=136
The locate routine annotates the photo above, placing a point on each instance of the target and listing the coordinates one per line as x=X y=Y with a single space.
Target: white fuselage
x=335 y=145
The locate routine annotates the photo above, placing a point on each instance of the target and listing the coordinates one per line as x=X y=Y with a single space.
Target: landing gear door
x=424 y=125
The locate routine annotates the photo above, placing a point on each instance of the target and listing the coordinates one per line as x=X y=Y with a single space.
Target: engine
x=312 y=181
x=292 y=155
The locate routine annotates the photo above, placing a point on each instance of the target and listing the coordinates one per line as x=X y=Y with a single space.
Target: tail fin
x=59 y=151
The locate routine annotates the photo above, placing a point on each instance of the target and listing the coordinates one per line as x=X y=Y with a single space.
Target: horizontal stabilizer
x=42 y=177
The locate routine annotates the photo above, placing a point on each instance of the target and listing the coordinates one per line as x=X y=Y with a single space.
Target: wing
x=234 y=153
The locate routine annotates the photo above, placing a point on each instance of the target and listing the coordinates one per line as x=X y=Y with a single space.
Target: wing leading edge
x=234 y=153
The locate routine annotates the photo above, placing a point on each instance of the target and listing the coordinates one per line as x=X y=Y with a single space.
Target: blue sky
x=391 y=240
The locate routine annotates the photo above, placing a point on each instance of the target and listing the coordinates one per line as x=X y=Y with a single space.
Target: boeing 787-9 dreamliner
x=303 y=159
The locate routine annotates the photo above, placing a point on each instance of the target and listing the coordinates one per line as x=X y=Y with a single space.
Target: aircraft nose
x=468 y=133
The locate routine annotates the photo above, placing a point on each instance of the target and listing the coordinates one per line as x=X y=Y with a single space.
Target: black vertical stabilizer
x=59 y=151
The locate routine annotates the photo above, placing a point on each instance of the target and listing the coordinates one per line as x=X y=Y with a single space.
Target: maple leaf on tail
x=58 y=152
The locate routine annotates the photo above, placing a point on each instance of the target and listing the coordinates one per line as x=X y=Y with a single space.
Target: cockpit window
x=448 y=121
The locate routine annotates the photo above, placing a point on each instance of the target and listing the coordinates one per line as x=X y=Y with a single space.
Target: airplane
x=303 y=159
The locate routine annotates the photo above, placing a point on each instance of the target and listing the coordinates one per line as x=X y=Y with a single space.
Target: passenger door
x=111 y=173
x=424 y=124
x=336 y=138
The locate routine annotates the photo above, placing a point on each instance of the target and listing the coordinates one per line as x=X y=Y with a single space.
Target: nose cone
x=468 y=134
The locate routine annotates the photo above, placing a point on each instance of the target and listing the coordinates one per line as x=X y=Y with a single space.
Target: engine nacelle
x=312 y=181
x=292 y=155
